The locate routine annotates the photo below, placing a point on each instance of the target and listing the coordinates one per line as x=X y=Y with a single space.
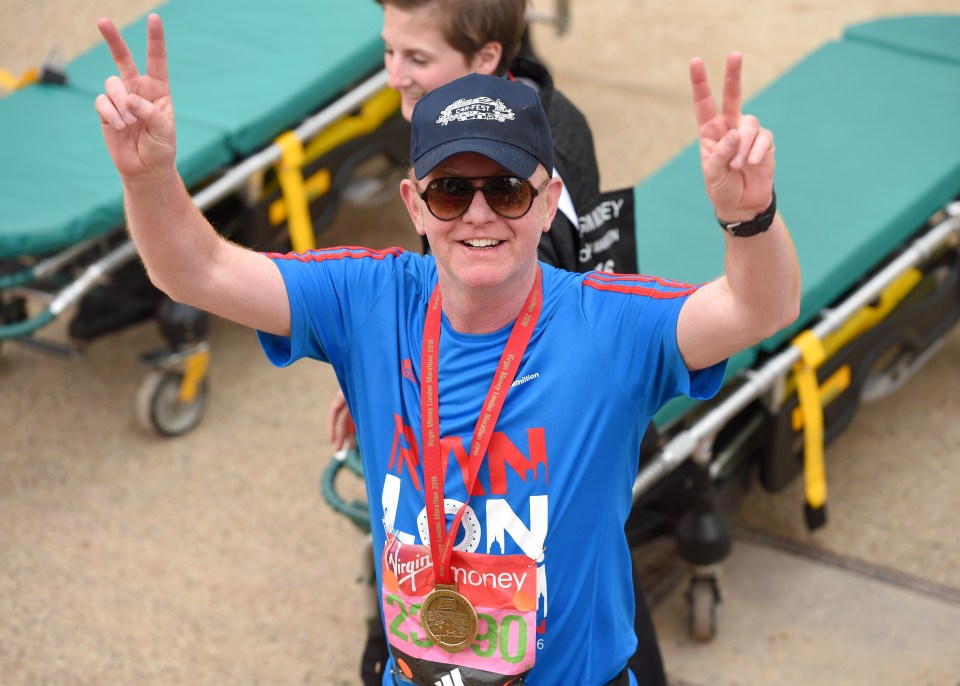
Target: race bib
x=503 y=592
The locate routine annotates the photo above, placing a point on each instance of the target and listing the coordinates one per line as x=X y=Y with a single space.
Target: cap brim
x=513 y=159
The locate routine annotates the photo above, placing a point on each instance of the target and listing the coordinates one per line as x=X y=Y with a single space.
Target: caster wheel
x=703 y=600
x=160 y=409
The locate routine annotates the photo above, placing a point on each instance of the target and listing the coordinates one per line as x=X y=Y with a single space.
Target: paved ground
x=211 y=559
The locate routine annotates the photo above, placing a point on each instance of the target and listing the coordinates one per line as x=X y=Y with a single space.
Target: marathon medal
x=446 y=615
x=448 y=618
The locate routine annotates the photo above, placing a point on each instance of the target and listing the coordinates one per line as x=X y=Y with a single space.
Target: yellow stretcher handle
x=812 y=355
x=11 y=83
x=869 y=316
x=195 y=371
x=373 y=112
x=298 y=192
x=813 y=396
x=862 y=321
x=290 y=176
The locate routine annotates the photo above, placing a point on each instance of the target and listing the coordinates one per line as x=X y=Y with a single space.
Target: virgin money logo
x=503 y=580
x=406 y=368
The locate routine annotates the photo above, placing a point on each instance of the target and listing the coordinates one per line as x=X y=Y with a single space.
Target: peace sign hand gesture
x=736 y=153
x=136 y=112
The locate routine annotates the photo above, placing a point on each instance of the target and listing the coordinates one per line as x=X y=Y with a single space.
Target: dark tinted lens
x=448 y=198
x=509 y=196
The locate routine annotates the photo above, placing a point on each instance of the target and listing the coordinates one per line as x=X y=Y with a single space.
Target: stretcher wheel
x=703 y=598
x=160 y=409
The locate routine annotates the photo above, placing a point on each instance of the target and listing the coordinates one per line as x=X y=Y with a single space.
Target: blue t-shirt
x=556 y=480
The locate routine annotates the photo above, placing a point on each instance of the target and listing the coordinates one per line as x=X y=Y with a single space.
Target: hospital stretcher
x=277 y=105
x=868 y=180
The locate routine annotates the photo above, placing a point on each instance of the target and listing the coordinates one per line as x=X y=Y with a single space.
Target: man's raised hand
x=136 y=112
x=736 y=153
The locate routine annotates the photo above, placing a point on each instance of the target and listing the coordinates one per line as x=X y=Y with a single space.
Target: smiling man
x=463 y=148
x=502 y=557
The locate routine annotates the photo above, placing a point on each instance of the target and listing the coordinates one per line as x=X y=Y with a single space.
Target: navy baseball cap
x=495 y=117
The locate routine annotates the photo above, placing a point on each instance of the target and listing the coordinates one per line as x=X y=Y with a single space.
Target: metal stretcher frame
x=759 y=381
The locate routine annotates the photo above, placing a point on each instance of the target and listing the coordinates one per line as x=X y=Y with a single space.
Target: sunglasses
x=509 y=196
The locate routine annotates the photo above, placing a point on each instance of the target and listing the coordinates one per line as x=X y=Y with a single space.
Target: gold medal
x=448 y=618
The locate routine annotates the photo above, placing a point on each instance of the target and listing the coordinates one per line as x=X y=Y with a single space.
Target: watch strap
x=752 y=227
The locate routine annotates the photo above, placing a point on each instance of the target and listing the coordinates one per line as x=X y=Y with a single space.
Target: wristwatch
x=752 y=227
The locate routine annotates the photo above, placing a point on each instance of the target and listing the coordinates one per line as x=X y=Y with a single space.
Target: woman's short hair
x=468 y=25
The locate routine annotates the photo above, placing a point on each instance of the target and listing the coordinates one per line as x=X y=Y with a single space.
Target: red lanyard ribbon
x=442 y=542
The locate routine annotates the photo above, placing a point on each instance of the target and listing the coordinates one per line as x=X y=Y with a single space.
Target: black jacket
x=574 y=158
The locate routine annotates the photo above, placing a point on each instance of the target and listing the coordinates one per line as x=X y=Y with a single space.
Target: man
x=428 y=43
x=502 y=438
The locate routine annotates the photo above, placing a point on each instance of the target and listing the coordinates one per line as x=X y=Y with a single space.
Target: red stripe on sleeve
x=338 y=253
x=643 y=278
x=638 y=290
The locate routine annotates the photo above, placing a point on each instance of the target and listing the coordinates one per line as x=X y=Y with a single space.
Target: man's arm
x=759 y=293
x=184 y=256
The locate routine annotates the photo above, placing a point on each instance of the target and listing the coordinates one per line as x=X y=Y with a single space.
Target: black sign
x=607 y=240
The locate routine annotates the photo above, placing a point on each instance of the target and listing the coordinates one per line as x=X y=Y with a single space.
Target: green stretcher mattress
x=57 y=183
x=242 y=72
x=936 y=36
x=868 y=148
x=250 y=68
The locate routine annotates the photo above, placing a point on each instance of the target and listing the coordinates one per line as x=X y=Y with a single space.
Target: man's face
x=481 y=249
